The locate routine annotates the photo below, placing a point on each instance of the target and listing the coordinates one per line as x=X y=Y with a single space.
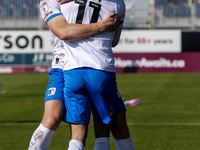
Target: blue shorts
x=55 y=86
x=88 y=89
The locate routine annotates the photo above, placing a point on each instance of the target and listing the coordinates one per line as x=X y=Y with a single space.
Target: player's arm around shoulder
x=73 y=32
x=57 y=25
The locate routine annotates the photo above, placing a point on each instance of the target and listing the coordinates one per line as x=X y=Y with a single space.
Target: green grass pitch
x=168 y=117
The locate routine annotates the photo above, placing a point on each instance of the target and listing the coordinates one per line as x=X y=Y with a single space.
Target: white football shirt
x=59 y=53
x=95 y=51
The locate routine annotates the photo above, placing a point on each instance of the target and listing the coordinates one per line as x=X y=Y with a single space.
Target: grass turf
x=167 y=119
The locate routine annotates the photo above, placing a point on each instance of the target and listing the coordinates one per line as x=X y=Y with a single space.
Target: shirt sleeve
x=121 y=13
x=49 y=9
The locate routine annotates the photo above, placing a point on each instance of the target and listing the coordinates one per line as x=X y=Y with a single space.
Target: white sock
x=41 y=138
x=124 y=144
x=75 y=145
x=102 y=143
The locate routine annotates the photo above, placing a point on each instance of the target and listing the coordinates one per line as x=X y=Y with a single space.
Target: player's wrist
x=102 y=26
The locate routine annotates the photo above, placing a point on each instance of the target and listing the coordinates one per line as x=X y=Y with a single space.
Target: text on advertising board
x=21 y=41
x=25 y=41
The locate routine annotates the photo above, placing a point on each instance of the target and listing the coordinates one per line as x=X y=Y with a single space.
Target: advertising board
x=137 y=51
x=25 y=52
x=157 y=62
x=149 y=41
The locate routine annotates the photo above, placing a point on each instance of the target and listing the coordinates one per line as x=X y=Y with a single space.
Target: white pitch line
x=163 y=124
x=18 y=124
x=3 y=92
x=129 y=124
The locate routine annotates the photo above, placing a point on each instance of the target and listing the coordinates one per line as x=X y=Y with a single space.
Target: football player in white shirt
x=95 y=53
x=54 y=99
x=89 y=58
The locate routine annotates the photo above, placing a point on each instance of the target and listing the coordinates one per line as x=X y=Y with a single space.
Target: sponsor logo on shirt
x=44 y=7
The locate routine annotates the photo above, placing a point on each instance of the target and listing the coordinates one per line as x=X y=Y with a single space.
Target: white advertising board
x=25 y=41
x=149 y=41
x=131 y=41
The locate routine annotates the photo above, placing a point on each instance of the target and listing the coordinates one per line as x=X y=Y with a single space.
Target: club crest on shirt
x=51 y=91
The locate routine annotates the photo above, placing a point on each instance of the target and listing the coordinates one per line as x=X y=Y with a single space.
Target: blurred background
x=140 y=14
x=158 y=36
